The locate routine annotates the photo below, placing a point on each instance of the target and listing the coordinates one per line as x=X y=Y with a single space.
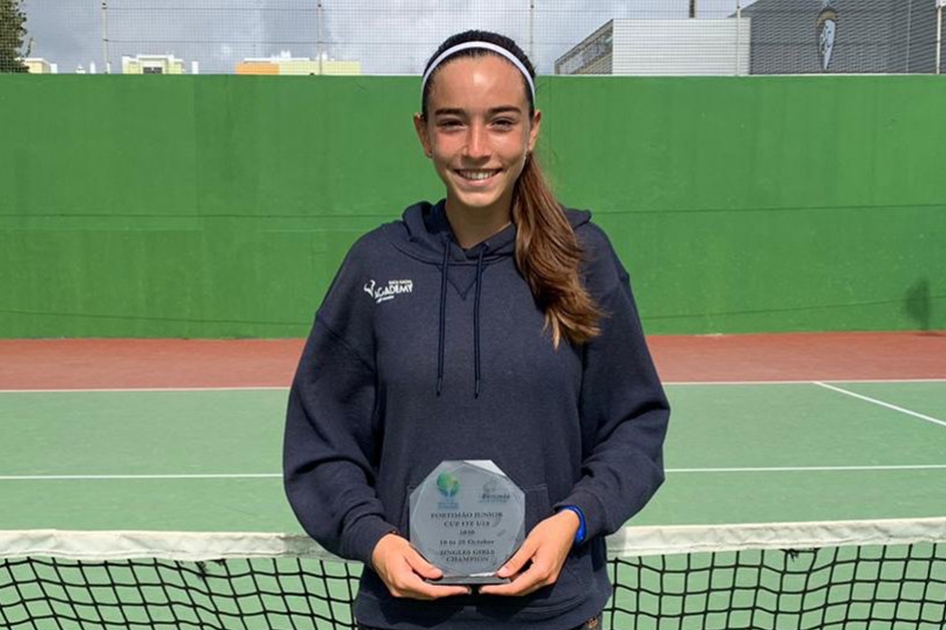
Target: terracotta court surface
x=173 y=363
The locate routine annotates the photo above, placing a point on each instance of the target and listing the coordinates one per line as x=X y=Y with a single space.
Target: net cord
x=628 y=542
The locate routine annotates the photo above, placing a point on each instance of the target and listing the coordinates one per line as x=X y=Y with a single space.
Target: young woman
x=495 y=325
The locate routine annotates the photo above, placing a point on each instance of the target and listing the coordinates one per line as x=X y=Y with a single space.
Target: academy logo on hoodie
x=389 y=292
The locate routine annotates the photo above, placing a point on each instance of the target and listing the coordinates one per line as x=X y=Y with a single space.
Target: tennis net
x=847 y=574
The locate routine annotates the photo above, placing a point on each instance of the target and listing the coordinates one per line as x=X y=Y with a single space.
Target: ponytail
x=548 y=256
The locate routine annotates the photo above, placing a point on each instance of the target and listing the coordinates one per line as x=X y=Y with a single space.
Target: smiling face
x=478 y=131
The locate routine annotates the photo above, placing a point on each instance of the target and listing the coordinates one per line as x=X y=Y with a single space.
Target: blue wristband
x=580 y=535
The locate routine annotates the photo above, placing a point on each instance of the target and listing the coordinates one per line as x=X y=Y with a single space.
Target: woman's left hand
x=547 y=546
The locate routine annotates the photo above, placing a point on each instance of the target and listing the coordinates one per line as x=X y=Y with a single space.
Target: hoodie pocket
x=403 y=525
x=573 y=579
x=538 y=506
x=578 y=562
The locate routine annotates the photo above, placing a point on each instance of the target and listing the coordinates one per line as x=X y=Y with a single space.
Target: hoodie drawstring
x=443 y=312
x=476 y=324
x=443 y=318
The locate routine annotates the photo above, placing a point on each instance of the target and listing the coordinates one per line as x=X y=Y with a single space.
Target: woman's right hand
x=403 y=570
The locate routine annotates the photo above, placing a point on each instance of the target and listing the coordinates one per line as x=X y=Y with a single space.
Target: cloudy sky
x=387 y=36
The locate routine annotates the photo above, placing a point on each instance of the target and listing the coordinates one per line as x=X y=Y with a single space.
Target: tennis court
x=209 y=460
x=769 y=172
x=740 y=451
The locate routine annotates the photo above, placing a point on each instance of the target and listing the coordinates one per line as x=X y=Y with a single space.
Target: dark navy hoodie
x=423 y=352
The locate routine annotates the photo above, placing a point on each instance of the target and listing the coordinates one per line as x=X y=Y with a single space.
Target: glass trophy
x=467 y=518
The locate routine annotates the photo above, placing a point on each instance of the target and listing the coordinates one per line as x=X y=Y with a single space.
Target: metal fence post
x=108 y=66
x=738 y=35
x=532 y=31
x=318 y=21
x=939 y=34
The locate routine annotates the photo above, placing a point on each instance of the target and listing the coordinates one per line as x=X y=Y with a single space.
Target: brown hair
x=547 y=251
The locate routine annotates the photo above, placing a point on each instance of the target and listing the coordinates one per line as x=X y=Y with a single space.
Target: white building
x=38 y=65
x=155 y=64
x=285 y=63
x=662 y=47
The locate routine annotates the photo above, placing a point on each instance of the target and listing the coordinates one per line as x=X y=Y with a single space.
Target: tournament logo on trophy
x=449 y=485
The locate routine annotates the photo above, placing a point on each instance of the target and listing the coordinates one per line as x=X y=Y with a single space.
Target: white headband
x=488 y=46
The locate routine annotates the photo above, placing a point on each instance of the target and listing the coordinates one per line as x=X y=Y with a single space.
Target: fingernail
x=503 y=572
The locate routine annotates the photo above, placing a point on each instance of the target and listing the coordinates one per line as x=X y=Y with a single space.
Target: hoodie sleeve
x=329 y=450
x=622 y=404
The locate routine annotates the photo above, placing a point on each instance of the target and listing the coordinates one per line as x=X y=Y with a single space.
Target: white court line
x=111 y=477
x=669 y=470
x=118 y=390
x=286 y=388
x=808 y=468
x=892 y=381
x=882 y=403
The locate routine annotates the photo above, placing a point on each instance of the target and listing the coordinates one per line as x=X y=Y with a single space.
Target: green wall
x=220 y=206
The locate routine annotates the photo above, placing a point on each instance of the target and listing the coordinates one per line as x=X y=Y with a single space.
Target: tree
x=12 y=33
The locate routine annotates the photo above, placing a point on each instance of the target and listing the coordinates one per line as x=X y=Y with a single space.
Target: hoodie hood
x=424 y=228
x=424 y=233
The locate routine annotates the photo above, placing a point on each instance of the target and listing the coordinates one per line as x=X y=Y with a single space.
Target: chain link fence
x=634 y=37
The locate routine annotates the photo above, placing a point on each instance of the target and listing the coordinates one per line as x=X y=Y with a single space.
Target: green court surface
x=210 y=460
